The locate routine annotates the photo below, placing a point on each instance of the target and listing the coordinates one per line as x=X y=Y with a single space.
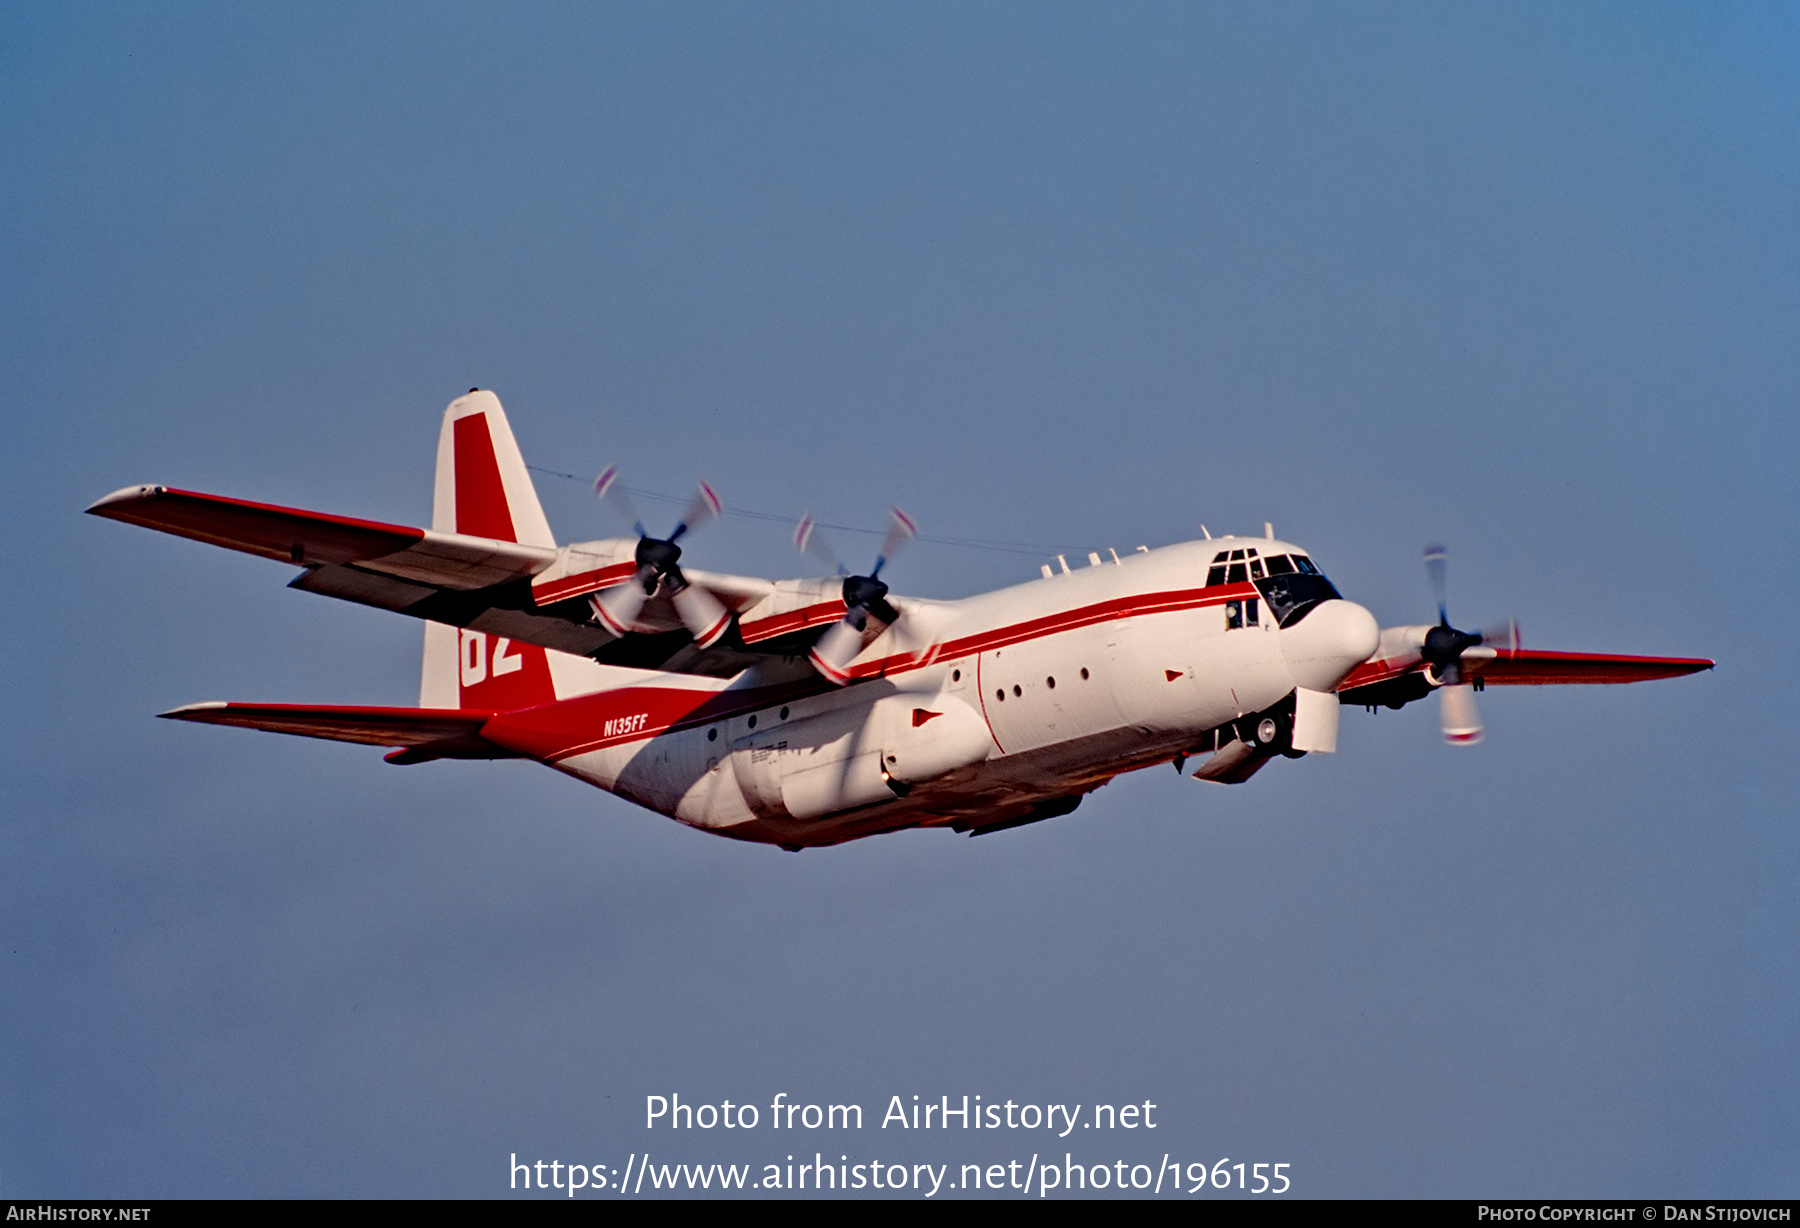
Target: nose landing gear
x=1241 y=747
x=1272 y=732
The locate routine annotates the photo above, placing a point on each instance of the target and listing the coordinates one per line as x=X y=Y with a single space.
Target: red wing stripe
x=1534 y=667
x=793 y=620
x=585 y=582
x=1538 y=667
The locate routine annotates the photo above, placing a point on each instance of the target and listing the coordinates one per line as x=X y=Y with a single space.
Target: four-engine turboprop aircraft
x=813 y=711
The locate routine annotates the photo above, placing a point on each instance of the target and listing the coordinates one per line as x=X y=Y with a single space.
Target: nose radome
x=1331 y=640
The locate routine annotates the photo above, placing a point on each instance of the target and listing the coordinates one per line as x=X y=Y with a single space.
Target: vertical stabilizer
x=483 y=490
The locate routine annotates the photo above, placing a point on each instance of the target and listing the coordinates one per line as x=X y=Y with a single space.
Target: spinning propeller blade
x=609 y=492
x=832 y=655
x=1443 y=652
x=809 y=541
x=1457 y=716
x=658 y=558
x=865 y=597
x=617 y=608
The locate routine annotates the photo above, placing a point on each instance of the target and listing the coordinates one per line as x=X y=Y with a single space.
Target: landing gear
x=1273 y=733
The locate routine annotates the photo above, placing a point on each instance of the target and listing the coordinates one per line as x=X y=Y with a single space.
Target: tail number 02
x=474 y=657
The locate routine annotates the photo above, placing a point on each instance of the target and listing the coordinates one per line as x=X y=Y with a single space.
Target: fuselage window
x=1000 y=695
x=1016 y=690
x=1241 y=613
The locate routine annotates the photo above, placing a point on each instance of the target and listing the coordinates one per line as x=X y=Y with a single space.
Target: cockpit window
x=1242 y=567
x=1293 y=592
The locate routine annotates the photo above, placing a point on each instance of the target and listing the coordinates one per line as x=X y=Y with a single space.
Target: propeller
x=865 y=597
x=1443 y=652
x=703 y=614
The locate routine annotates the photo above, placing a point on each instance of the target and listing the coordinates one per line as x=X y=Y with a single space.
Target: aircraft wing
x=1533 y=667
x=1395 y=682
x=317 y=539
x=534 y=594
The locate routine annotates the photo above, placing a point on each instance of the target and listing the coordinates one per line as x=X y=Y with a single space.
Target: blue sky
x=1523 y=280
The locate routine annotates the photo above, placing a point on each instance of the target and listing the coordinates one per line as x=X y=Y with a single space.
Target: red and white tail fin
x=483 y=490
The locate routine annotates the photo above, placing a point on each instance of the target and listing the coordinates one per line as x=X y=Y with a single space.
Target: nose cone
x=1331 y=640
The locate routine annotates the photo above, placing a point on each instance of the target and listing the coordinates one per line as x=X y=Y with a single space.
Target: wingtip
x=127 y=494
x=189 y=712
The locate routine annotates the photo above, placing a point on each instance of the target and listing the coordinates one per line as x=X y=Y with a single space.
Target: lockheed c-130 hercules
x=813 y=711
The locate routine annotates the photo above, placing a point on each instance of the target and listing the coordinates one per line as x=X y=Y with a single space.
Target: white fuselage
x=965 y=712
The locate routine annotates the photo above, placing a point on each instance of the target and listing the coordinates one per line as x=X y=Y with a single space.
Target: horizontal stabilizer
x=423 y=733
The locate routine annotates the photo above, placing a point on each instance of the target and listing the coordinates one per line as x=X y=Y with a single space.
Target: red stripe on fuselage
x=576 y=726
x=981 y=695
x=1068 y=620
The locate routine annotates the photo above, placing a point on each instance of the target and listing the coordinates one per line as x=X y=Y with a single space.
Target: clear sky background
x=1521 y=278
